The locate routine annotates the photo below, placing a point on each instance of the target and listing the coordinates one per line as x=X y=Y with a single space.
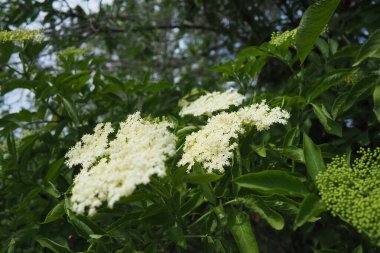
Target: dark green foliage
x=129 y=57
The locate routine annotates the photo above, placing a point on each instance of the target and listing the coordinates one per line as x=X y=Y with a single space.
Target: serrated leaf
x=241 y=229
x=236 y=171
x=56 y=212
x=290 y=152
x=292 y=137
x=273 y=181
x=83 y=225
x=259 y=149
x=11 y=246
x=310 y=207
x=348 y=99
x=53 y=246
x=71 y=110
x=271 y=216
x=331 y=79
x=80 y=77
x=313 y=157
x=11 y=144
x=371 y=48
x=54 y=170
x=51 y=190
x=358 y=249
x=6 y=51
x=201 y=179
x=191 y=204
x=208 y=193
x=376 y=101
x=251 y=51
x=176 y=235
x=16 y=84
x=331 y=126
x=312 y=24
x=323 y=47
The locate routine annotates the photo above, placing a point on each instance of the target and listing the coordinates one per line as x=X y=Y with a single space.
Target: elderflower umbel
x=139 y=150
x=21 y=35
x=353 y=192
x=86 y=151
x=212 y=102
x=213 y=145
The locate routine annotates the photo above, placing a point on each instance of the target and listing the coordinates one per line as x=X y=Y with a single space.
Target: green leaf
x=252 y=51
x=359 y=91
x=333 y=78
x=290 y=152
x=51 y=190
x=326 y=251
x=331 y=126
x=241 y=229
x=54 y=170
x=191 y=204
x=371 y=48
x=236 y=171
x=201 y=179
x=273 y=181
x=186 y=131
x=157 y=86
x=57 y=212
x=16 y=84
x=292 y=137
x=11 y=144
x=313 y=157
x=312 y=24
x=53 y=246
x=260 y=150
x=271 y=216
x=310 y=207
x=323 y=47
x=176 y=235
x=6 y=50
x=358 y=249
x=11 y=246
x=83 y=225
x=208 y=193
x=376 y=101
x=71 y=110
x=76 y=80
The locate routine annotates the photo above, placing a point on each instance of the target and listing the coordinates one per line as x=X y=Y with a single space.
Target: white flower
x=139 y=150
x=92 y=146
x=212 y=102
x=213 y=146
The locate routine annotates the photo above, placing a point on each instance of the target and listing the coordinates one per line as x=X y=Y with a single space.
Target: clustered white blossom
x=212 y=102
x=213 y=145
x=90 y=147
x=113 y=169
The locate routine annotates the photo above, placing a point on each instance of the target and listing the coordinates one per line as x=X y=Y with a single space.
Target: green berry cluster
x=353 y=191
x=353 y=78
x=21 y=35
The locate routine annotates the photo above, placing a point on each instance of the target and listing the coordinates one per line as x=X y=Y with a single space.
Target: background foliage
x=146 y=55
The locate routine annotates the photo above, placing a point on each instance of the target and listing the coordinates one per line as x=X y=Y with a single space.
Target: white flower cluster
x=213 y=145
x=90 y=147
x=212 y=102
x=113 y=169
